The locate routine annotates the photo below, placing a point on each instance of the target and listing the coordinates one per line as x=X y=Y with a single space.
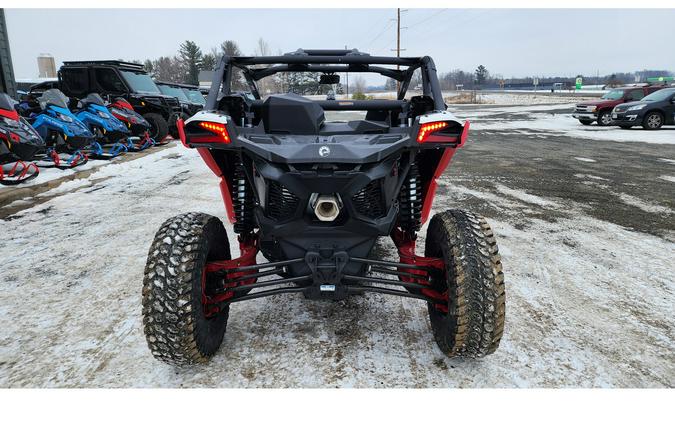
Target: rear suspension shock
x=410 y=200
x=242 y=200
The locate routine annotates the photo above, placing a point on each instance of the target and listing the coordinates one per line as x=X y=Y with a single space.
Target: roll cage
x=327 y=61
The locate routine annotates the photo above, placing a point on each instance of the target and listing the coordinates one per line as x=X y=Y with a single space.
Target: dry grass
x=466 y=97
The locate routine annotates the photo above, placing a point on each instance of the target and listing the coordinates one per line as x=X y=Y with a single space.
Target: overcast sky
x=510 y=42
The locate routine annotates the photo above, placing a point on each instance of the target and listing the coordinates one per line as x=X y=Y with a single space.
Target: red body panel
x=430 y=188
x=211 y=163
x=10 y=114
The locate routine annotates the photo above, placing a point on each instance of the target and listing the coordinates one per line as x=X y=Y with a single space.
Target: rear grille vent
x=369 y=200
x=281 y=203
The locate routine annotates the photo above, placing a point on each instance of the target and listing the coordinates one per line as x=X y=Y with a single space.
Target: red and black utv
x=313 y=194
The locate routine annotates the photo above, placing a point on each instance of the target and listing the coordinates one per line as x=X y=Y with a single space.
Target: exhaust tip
x=327 y=208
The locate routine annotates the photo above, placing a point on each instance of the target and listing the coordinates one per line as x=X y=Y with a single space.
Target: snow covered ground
x=543 y=120
x=589 y=303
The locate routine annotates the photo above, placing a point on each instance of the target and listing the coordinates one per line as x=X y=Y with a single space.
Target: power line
x=370 y=30
x=387 y=26
x=433 y=15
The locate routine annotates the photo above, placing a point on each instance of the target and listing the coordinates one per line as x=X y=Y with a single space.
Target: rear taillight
x=428 y=128
x=217 y=128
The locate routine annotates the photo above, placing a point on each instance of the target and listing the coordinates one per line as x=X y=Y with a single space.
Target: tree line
x=184 y=67
x=482 y=78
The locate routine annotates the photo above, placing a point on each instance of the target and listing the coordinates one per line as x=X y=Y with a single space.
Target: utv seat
x=292 y=114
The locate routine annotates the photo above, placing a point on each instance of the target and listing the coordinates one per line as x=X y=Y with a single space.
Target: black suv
x=652 y=112
x=121 y=79
x=190 y=104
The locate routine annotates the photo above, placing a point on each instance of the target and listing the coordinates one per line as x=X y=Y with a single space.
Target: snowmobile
x=139 y=127
x=313 y=195
x=12 y=170
x=18 y=143
x=93 y=112
x=63 y=133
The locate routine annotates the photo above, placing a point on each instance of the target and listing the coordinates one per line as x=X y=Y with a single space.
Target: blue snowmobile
x=92 y=111
x=63 y=133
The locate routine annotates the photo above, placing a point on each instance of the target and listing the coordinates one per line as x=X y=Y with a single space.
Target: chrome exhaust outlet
x=327 y=207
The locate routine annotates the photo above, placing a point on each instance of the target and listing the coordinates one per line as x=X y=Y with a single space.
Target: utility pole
x=398 y=40
x=398 y=33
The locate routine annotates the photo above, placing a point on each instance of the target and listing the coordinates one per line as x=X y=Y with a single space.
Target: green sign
x=661 y=79
x=578 y=84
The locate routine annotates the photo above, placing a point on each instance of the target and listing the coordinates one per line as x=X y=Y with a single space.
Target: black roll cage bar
x=325 y=61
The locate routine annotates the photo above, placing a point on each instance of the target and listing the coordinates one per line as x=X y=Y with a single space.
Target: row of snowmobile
x=54 y=131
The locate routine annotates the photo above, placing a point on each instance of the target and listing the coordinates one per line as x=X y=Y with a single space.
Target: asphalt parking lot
x=585 y=226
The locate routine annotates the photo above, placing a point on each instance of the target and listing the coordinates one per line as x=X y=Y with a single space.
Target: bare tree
x=358 y=85
x=170 y=69
x=266 y=85
x=263 y=48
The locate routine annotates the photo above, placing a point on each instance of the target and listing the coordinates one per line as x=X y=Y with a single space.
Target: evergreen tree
x=482 y=75
x=191 y=56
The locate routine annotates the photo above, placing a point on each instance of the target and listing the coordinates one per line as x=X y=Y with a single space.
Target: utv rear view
x=313 y=194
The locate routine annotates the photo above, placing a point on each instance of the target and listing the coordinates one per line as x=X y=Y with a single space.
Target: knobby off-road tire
x=159 y=128
x=474 y=323
x=174 y=323
x=586 y=122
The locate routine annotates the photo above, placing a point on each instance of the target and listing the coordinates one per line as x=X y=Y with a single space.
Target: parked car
x=195 y=94
x=600 y=111
x=652 y=112
x=112 y=79
x=188 y=104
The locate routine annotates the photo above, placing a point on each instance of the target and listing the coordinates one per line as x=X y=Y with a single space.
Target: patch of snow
x=586 y=160
x=644 y=206
x=666 y=160
x=66 y=187
x=525 y=197
x=668 y=178
x=589 y=176
x=559 y=124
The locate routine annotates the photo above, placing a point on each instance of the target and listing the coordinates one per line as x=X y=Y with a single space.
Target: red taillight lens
x=217 y=128
x=428 y=128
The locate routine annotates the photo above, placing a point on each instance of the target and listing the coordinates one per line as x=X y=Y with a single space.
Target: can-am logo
x=324 y=151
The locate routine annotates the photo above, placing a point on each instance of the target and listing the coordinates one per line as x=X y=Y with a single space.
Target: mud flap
x=17 y=172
